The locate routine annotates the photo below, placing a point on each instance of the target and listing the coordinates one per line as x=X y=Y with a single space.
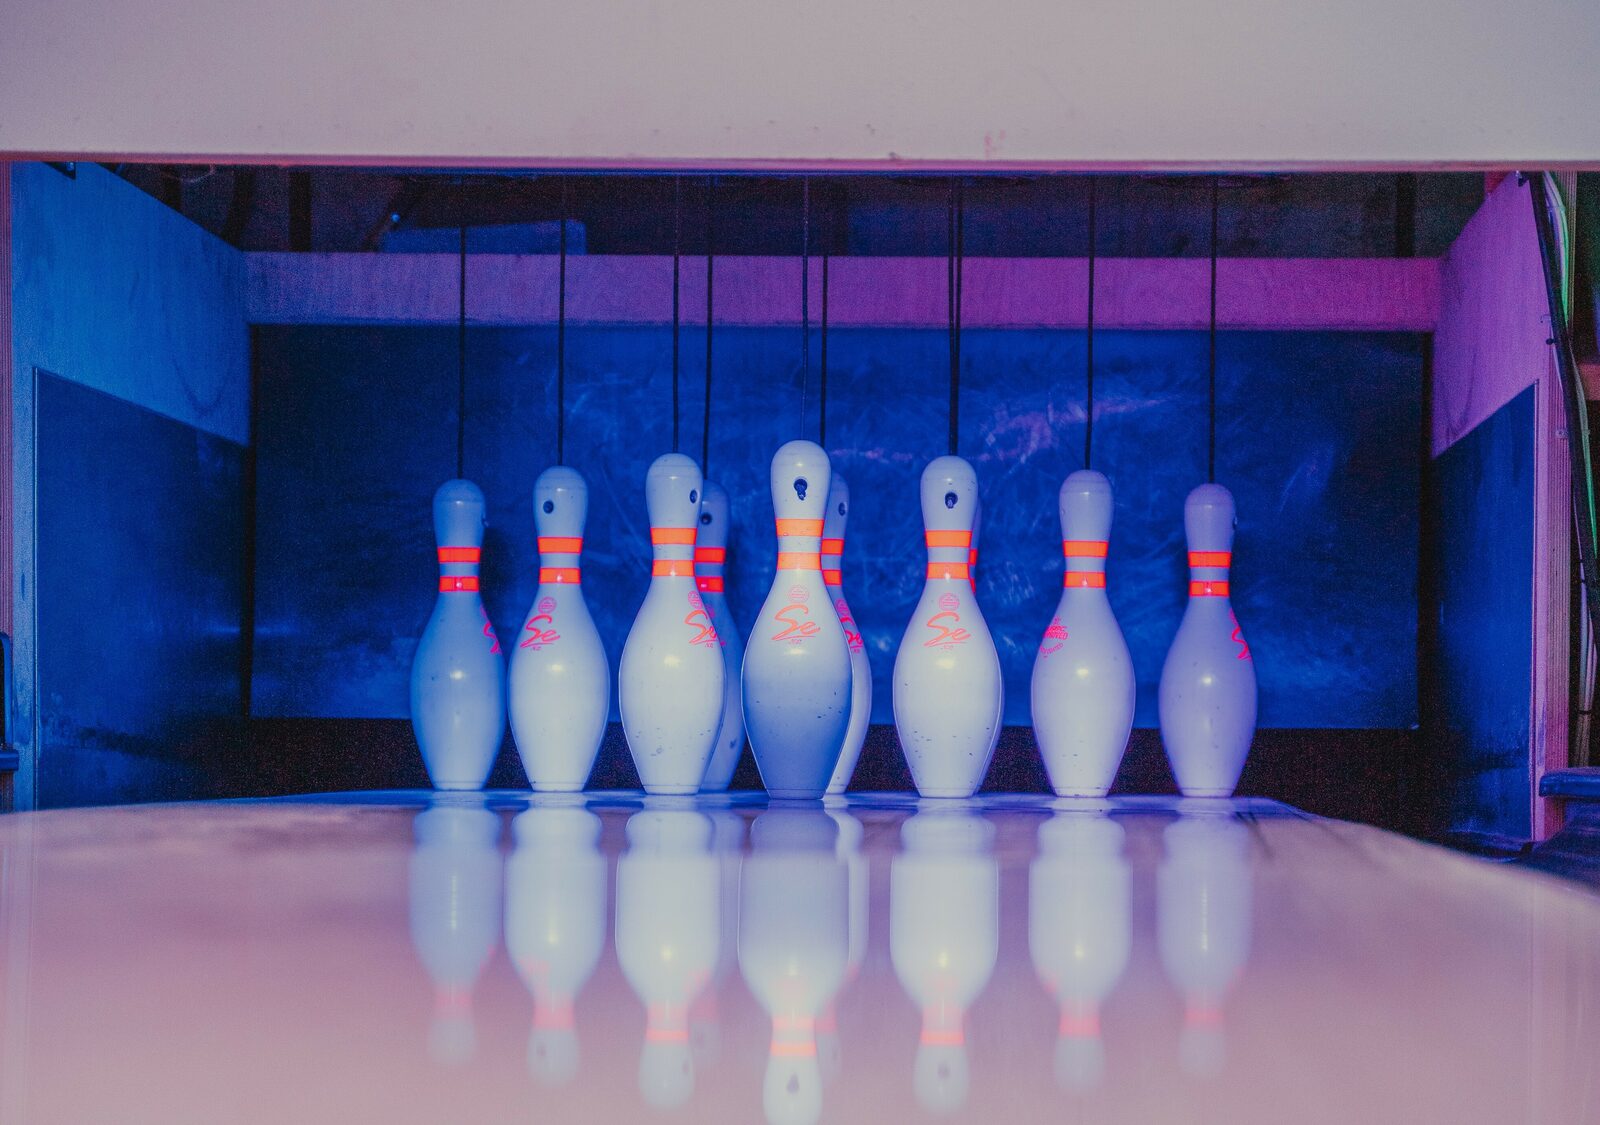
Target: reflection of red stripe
x=833 y=546
x=799 y=527
x=1210 y=558
x=711 y=585
x=947 y=538
x=672 y=536
x=793 y=1050
x=1074 y=1026
x=1208 y=589
x=1084 y=548
x=944 y=1038
x=1084 y=580
x=666 y=1034
x=799 y=560
x=560 y=574
x=710 y=554
x=833 y=578
x=460 y=554
x=560 y=544
x=458 y=583
x=672 y=568
x=948 y=570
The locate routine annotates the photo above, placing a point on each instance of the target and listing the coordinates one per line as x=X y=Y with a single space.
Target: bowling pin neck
x=833 y=560
x=558 y=559
x=1208 y=573
x=555 y=1013
x=942 y=1025
x=949 y=555
x=667 y=1023
x=458 y=569
x=1085 y=564
x=799 y=544
x=793 y=1036
x=672 y=550
x=708 y=563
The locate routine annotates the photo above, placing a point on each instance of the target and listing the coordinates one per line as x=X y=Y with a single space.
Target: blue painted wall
x=141 y=577
x=1318 y=436
x=1478 y=688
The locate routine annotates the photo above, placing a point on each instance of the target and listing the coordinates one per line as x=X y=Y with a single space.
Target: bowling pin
x=458 y=677
x=1083 y=683
x=797 y=676
x=560 y=679
x=710 y=553
x=705 y=1015
x=947 y=688
x=670 y=680
x=555 y=924
x=855 y=733
x=830 y=1055
x=1203 y=905
x=667 y=939
x=944 y=937
x=794 y=941
x=455 y=913
x=1208 y=683
x=1080 y=932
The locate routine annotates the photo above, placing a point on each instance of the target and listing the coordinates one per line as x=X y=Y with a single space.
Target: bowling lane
x=400 y=957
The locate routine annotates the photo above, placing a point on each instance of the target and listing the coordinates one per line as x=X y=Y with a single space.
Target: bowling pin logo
x=797 y=679
x=540 y=631
x=671 y=677
x=948 y=694
x=710 y=555
x=855 y=735
x=458 y=679
x=1208 y=682
x=560 y=677
x=1083 y=687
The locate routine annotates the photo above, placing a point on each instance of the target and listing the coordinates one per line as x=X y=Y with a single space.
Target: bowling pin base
x=796 y=794
x=558 y=787
x=671 y=790
x=947 y=794
x=1092 y=793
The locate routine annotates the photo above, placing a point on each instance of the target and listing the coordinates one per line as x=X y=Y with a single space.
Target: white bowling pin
x=555 y=925
x=797 y=664
x=1208 y=683
x=670 y=679
x=948 y=695
x=458 y=677
x=1080 y=932
x=855 y=734
x=710 y=554
x=560 y=679
x=667 y=939
x=1083 y=683
x=794 y=942
x=1203 y=905
x=944 y=936
x=455 y=913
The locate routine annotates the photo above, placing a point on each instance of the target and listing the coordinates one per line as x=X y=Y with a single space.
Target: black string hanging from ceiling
x=461 y=330
x=561 y=333
x=1088 y=340
x=955 y=218
x=705 y=429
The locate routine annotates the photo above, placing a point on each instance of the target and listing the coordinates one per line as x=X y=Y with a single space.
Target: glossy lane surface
x=397 y=958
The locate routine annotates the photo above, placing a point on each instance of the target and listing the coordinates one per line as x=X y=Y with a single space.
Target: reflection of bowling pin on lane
x=833 y=527
x=555 y=925
x=667 y=939
x=947 y=689
x=794 y=944
x=1208 y=683
x=797 y=666
x=829 y=1055
x=560 y=680
x=455 y=913
x=670 y=679
x=1083 y=682
x=944 y=935
x=1080 y=932
x=705 y=1016
x=458 y=678
x=1203 y=903
x=710 y=554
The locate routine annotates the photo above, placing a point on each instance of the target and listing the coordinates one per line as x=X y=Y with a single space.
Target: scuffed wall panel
x=140 y=548
x=1318 y=436
x=1478 y=686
